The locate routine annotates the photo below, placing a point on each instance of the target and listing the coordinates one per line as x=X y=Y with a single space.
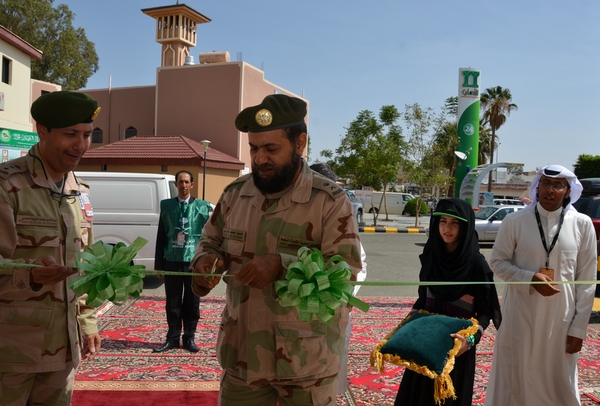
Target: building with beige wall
x=167 y=154
x=197 y=101
x=17 y=92
x=15 y=81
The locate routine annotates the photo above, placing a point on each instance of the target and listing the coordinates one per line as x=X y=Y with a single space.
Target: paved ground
x=394 y=224
x=389 y=224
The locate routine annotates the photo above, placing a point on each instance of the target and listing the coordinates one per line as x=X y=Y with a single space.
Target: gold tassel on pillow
x=443 y=386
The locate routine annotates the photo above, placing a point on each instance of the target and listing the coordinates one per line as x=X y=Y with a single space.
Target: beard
x=282 y=178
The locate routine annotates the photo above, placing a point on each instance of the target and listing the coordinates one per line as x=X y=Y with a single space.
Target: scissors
x=213 y=269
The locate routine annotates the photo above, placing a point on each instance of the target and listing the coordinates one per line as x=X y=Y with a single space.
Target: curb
x=409 y=230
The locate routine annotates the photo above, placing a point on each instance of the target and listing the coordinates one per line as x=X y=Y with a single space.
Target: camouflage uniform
x=40 y=326
x=259 y=341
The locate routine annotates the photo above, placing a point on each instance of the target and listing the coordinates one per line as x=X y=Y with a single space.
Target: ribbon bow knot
x=317 y=287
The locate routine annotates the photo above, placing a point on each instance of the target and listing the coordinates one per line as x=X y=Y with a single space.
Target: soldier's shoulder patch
x=83 y=182
x=327 y=185
x=238 y=182
x=10 y=168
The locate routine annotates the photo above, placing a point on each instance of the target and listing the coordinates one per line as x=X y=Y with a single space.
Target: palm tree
x=444 y=144
x=485 y=138
x=496 y=103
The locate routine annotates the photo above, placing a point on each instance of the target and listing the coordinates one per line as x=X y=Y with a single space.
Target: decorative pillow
x=422 y=343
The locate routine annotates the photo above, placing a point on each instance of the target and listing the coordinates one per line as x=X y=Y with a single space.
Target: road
x=395 y=257
x=390 y=257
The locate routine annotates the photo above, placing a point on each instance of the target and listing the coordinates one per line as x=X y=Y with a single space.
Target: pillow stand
x=422 y=343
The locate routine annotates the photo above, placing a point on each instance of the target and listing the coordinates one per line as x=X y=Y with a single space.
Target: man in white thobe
x=543 y=325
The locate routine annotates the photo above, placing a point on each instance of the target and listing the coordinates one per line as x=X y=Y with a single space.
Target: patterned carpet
x=130 y=331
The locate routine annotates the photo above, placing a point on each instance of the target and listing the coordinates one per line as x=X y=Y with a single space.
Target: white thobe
x=530 y=365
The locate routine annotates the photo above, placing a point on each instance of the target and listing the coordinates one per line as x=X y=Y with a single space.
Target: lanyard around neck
x=539 y=223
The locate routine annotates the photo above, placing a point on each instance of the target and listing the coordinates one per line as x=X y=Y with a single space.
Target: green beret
x=64 y=109
x=275 y=111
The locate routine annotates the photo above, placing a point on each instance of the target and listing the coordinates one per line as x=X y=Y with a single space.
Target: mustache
x=265 y=166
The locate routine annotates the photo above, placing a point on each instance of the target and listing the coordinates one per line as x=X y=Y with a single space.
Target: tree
x=451 y=106
x=444 y=144
x=587 y=166
x=485 y=140
x=370 y=153
x=497 y=105
x=423 y=167
x=69 y=58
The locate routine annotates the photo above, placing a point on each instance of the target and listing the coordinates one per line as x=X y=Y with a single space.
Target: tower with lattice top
x=176 y=31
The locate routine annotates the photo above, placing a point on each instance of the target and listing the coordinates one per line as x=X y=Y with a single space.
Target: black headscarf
x=465 y=264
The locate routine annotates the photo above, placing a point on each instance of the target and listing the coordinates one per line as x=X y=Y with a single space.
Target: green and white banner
x=15 y=143
x=468 y=124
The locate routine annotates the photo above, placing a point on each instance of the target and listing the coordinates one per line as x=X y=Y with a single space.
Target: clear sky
x=348 y=56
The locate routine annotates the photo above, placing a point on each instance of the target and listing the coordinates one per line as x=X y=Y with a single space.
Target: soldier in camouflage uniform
x=266 y=352
x=46 y=219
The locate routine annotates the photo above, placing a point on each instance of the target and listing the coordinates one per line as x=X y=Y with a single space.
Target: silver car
x=489 y=218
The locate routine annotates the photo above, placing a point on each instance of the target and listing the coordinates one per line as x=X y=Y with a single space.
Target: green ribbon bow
x=317 y=288
x=108 y=273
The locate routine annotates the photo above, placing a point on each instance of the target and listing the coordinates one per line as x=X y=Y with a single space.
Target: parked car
x=589 y=202
x=119 y=217
x=513 y=202
x=395 y=202
x=356 y=207
x=489 y=218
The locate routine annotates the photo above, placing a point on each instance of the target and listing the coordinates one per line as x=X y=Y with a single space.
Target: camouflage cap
x=64 y=108
x=275 y=111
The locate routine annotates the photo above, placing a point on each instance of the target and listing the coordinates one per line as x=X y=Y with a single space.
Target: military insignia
x=96 y=112
x=263 y=117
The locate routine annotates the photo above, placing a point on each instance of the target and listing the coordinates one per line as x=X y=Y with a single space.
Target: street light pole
x=205 y=144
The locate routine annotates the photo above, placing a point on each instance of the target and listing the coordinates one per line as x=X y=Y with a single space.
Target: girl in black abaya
x=452 y=254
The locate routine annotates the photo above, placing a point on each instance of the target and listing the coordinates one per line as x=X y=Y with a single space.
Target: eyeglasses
x=557 y=187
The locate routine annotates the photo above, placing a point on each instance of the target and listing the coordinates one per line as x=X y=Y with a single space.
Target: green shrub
x=411 y=207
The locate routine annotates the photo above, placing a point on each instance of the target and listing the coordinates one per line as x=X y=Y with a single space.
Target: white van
x=127 y=206
x=395 y=202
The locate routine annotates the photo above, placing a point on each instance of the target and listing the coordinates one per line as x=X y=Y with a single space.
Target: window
x=130 y=132
x=164 y=168
x=97 y=136
x=103 y=167
x=6 y=65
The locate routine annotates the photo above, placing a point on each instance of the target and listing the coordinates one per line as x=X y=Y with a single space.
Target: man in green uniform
x=46 y=219
x=267 y=353
x=179 y=230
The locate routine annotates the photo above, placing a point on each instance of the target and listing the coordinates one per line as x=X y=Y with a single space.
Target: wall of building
x=255 y=88
x=197 y=101
x=200 y=102
x=39 y=87
x=123 y=108
x=216 y=179
x=17 y=93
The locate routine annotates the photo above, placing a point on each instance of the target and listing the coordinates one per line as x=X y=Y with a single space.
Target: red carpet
x=126 y=372
x=148 y=397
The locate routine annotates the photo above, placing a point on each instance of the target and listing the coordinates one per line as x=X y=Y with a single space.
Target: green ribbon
x=108 y=273
x=316 y=287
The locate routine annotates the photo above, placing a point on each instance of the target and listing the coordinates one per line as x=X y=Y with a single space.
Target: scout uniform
x=41 y=325
x=260 y=342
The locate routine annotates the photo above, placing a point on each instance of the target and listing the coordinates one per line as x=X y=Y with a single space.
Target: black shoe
x=169 y=345
x=190 y=345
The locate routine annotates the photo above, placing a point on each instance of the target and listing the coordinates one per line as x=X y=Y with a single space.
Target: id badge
x=548 y=271
x=180 y=239
x=86 y=206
